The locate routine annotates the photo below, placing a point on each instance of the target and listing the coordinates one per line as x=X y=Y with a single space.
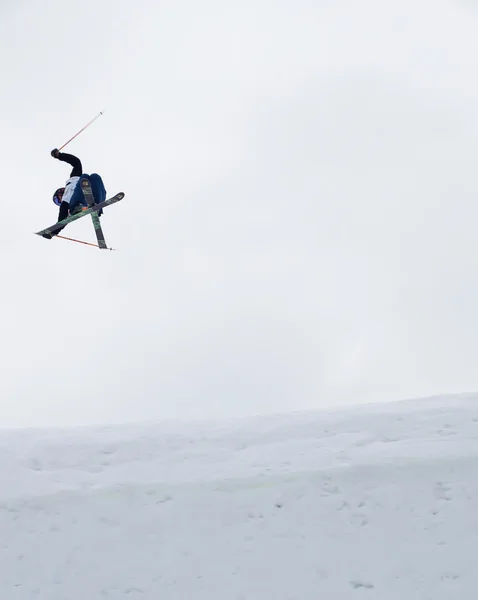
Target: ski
x=99 y=231
x=87 y=193
x=49 y=231
x=95 y=217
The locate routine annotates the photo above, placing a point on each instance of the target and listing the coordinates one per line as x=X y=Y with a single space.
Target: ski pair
x=49 y=231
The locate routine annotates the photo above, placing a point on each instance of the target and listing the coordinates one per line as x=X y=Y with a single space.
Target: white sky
x=300 y=222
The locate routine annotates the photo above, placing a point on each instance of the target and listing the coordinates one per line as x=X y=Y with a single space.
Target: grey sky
x=300 y=224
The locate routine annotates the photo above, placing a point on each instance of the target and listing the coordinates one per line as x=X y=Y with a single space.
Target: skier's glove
x=55 y=153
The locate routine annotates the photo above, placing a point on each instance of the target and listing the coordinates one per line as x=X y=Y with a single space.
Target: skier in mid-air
x=70 y=198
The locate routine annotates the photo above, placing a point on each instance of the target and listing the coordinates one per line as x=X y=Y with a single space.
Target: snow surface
x=377 y=502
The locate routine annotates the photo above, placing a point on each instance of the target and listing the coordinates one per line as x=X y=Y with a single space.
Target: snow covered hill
x=377 y=502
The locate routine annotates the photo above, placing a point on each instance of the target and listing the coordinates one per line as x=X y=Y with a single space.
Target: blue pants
x=97 y=187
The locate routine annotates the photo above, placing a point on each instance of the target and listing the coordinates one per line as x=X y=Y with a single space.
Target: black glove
x=55 y=153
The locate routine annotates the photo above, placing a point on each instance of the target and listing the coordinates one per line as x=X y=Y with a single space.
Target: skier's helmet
x=58 y=195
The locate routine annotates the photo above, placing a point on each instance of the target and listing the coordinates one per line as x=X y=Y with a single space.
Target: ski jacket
x=75 y=174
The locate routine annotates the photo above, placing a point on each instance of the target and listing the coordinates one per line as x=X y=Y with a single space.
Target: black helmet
x=58 y=195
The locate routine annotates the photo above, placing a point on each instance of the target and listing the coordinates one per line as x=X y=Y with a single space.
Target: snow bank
x=377 y=502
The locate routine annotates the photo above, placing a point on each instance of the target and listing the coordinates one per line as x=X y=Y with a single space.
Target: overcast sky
x=300 y=225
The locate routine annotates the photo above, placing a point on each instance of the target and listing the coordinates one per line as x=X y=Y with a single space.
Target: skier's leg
x=62 y=214
x=98 y=188
x=78 y=196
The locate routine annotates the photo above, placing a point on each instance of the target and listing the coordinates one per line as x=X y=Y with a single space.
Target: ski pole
x=76 y=134
x=79 y=241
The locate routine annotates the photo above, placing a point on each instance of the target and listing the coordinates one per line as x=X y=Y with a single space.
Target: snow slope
x=378 y=502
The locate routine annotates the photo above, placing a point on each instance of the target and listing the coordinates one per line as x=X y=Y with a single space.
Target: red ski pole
x=62 y=237
x=76 y=134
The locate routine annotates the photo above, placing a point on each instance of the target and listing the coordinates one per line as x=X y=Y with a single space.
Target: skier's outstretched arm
x=75 y=162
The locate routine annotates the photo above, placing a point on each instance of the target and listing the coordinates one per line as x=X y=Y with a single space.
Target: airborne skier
x=71 y=198
x=82 y=195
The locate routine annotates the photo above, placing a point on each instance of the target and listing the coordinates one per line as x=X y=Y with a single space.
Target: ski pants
x=97 y=187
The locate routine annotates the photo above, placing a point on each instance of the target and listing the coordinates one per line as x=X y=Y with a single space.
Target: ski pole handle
x=77 y=134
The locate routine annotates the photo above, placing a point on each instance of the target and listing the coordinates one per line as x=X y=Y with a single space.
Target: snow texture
x=378 y=502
